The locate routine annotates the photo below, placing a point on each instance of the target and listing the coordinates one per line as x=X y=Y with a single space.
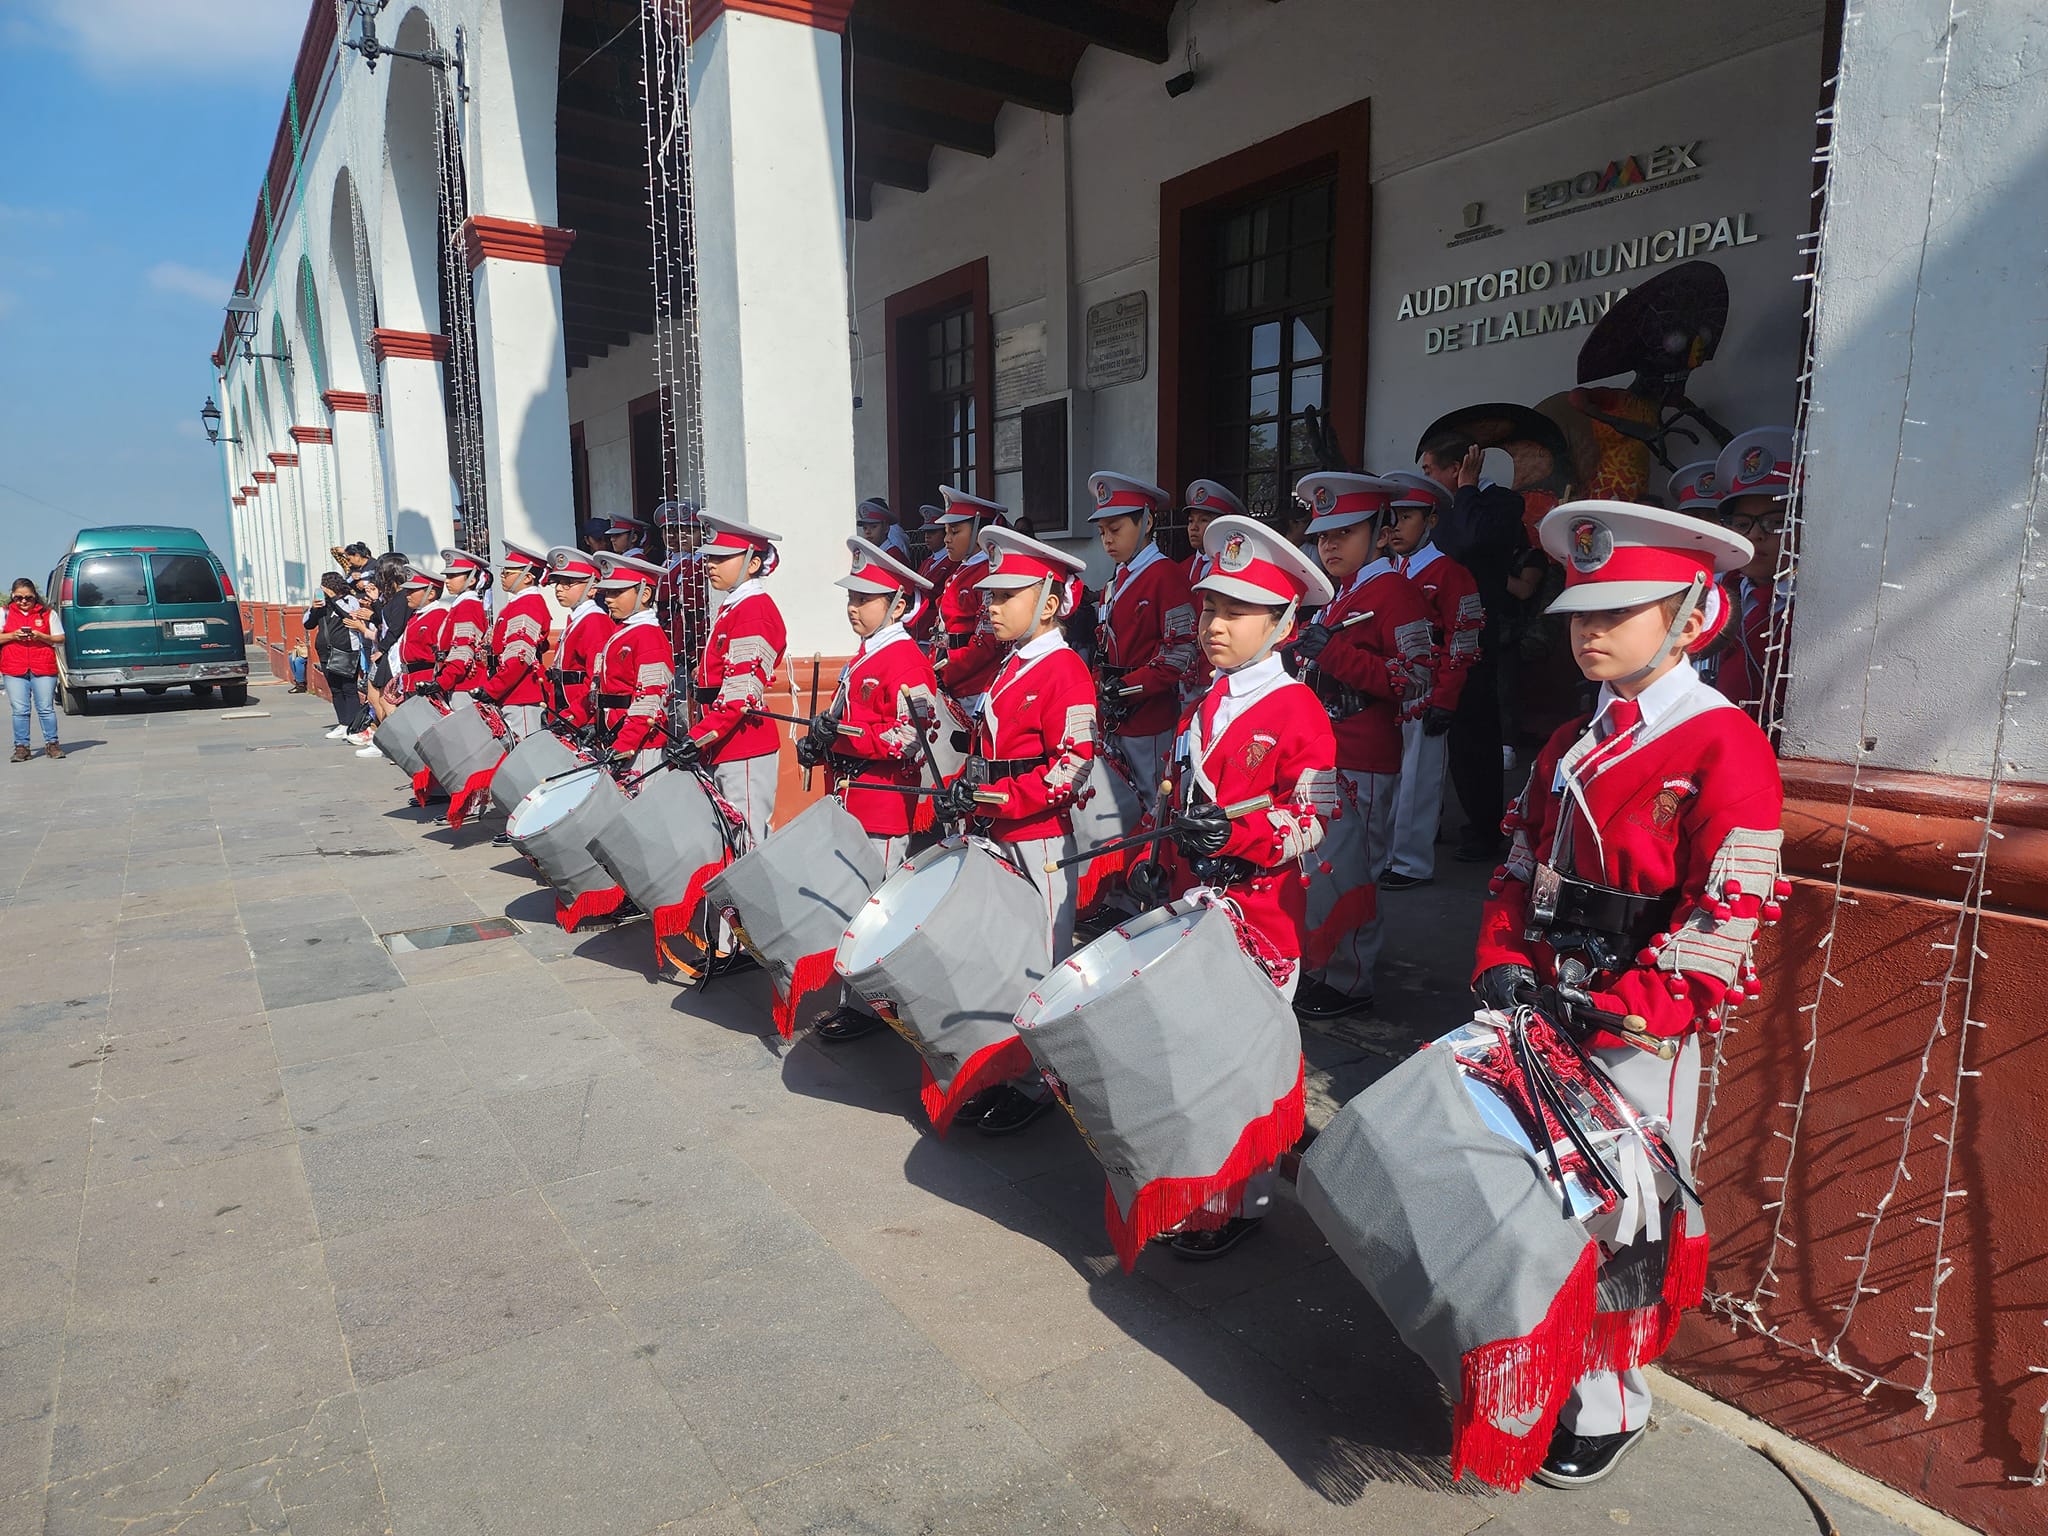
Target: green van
x=149 y=608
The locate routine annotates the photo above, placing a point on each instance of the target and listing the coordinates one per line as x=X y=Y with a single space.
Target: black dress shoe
x=1576 y=1460
x=843 y=1024
x=502 y=840
x=1012 y=1111
x=1394 y=880
x=1213 y=1243
x=971 y=1110
x=1320 y=1000
x=732 y=962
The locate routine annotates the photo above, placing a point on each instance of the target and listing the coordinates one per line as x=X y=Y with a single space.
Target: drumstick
x=769 y=714
x=1141 y=839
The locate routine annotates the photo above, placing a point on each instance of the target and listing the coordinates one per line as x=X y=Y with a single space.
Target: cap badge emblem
x=858 y=562
x=995 y=557
x=1102 y=493
x=1752 y=462
x=1234 y=556
x=1324 y=499
x=1592 y=544
x=1200 y=496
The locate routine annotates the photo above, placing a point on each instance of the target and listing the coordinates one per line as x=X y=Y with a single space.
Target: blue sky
x=137 y=134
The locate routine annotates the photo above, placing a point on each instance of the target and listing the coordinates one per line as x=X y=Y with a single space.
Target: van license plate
x=195 y=630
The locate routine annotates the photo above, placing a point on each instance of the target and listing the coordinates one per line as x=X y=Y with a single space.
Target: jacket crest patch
x=1660 y=812
x=1255 y=751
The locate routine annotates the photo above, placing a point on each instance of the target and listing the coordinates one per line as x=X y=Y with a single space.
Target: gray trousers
x=1419 y=804
x=521 y=719
x=1150 y=759
x=1609 y=1402
x=747 y=784
x=1355 y=847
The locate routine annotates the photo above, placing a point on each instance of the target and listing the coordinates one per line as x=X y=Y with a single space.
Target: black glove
x=428 y=689
x=682 y=752
x=1505 y=986
x=823 y=733
x=1308 y=645
x=955 y=802
x=1436 y=720
x=1146 y=881
x=1201 y=830
x=808 y=753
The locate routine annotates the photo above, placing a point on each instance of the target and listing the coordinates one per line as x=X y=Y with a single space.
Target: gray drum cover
x=664 y=833
x=562 y=851
x=460 y=745
x=952 y=984
x=398 y=738
x=539 y=756
x=1108 y=806
x=1449 y=1225
x=794 y=895
x=1165 y=1069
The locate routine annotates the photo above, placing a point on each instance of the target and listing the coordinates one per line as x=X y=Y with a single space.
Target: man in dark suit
x=1482 y=531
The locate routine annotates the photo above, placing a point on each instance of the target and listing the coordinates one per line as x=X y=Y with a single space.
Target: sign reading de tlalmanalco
x=1670 y=164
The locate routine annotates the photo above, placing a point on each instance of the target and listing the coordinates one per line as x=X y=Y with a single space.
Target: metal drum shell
x=539 y=756
x=666 y=831
x=398 y=737
x=460 y=745
x=561 y=848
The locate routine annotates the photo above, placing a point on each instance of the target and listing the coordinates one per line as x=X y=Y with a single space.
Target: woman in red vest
x=29 y=636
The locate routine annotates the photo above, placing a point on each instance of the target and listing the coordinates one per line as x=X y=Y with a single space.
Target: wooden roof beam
x=1044 y=93
x=1118 y=31
x=891 y=171
x=922 y=123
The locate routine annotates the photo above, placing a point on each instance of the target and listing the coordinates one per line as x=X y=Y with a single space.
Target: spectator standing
x=30 y=633
x=334 y=644
x=1481 y=530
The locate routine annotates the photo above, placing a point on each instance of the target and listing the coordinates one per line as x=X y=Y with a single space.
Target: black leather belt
x=564 y=679
x=614 y=701
x=959 y=640
x=986 y=770
x=419 y=666
x=706 y=695
x=1567 y=911
x=1338 y=701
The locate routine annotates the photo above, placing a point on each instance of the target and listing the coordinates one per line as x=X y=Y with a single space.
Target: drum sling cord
x=1544 y=1089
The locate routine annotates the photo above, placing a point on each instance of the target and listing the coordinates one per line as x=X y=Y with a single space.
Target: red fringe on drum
x=805 y=977
x=674 y=917
x=590 y=904
x=1166 y=1203
x=922 y=819
x=422 y=786
x=1621 y=1341
x=1525 y=1379
x=478 y=786
x=988 y=1066
x=1358 y=905
x=1097 y=872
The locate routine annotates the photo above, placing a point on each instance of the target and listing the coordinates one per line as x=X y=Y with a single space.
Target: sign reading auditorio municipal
x=1538 y=284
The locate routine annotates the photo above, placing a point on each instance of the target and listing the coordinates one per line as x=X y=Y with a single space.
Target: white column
x=516 y=269
x=419 y=490
x=352 y=443
x=769 y=154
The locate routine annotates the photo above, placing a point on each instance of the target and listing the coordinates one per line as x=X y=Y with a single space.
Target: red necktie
x=1622 y=715
x=1210 y=707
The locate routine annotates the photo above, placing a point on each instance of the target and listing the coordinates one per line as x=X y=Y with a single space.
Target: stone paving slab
x=296 y=1236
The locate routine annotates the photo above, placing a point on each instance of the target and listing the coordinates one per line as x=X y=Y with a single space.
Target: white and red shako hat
x=1692 y=489
x=626 y=571
x=519 y=558
x=626 y=522
x=931 y=516
x=875 y=570
x=1756 y=463
x=1339 y=499
x=733 y=536
x=961 y=508
x=460 y=562
x=1413 y=490
x=1257 y=564
x=1214 y=498
x=1018 y=560
x=1617 y=554
x=419 y=579
x=567 y=564
x=1122 y=496
x=873 y=513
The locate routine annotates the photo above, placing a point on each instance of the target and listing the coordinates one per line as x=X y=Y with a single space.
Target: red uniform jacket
x=740 y=656
x=420 y=647
x=1375 y=672
x=1740 y=670
x=1455 y=619
x=877 y=731
x=517 y=639
x=1686 y=804
x=462 y=648
x=1039 y=711
x=634 y=672
x=1278 y=743
x=934 y=569
x=1148 y=628
x=576 y=662
x=972 y=653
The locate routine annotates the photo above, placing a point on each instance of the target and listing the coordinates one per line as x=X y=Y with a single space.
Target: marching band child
x=1646 y=849
x=1367 y=657
x=631 y=678
x=518 y=636
x=583 y=636
x=971 y=653
x=420 y=647
x=462 y=646
x=1206 y=501
x=1256 y=732
x=1032 y=744
x=870 y=735
x=1754 y=478
x=1455 y=620
x=1145 y=640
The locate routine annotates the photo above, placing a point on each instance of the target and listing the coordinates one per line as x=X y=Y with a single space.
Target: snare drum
x=539 y=756
x=663 y=847
x=553 y=826
x=790 y=899
x=943 y=951
x=398 y=738
x=463 y=751
x=1179 y=1060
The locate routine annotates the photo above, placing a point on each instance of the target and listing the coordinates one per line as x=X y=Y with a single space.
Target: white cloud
x=254 y=40
x=190 y=282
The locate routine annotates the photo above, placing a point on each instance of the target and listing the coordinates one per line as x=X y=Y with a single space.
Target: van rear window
x=110 y=581
x=184 y=579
